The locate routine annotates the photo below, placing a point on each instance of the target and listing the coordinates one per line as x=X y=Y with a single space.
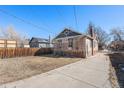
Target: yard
x=13 y=69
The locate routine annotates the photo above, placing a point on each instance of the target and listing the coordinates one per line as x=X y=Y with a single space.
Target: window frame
x=60 y=43
x=70 y=42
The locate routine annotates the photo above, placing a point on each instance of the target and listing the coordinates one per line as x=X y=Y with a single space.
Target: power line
x=22 y=20
x=75 y=16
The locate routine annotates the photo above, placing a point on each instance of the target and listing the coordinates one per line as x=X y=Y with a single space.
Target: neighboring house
x=4 y=43
x=26 y=43
x=39 y=43
x=117 y=45
x=69 y=40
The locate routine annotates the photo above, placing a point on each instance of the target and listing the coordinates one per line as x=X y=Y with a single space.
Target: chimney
x=91 y=31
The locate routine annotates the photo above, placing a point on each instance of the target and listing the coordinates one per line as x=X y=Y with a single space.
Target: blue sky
x=53 y=19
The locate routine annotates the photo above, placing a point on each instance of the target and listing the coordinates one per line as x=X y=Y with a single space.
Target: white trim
x=74 y=37
x=69 y=37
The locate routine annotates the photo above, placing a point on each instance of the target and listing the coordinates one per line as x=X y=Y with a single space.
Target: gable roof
x=66 y=33
x=39 y=40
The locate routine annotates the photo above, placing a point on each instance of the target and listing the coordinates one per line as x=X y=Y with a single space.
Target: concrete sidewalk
x=90 y=72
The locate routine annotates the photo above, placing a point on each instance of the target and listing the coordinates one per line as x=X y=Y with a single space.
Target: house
x=69 y=41
x=117 y=45
x=8 y=43
x=26 y=43
x=39 y=43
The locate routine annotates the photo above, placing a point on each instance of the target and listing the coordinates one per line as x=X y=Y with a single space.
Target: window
x=60 y=43
x=70 y=42
x=42 y=45
x=66 y=33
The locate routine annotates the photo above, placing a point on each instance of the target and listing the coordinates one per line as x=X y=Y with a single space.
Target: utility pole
x=49 y=41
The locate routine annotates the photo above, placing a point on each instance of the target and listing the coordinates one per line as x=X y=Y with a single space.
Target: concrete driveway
x=92 y=72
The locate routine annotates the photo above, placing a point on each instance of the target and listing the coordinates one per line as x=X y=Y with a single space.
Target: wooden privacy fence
x=18 y=52
x=70 y=53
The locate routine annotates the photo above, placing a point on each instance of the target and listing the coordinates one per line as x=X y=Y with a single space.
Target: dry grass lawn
x=13 y=69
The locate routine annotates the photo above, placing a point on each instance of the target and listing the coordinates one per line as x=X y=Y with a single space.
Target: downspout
x=93 y=44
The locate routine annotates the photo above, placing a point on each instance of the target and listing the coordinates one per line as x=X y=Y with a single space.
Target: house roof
x=118 y=42
x=66 y=33
x=39 y=40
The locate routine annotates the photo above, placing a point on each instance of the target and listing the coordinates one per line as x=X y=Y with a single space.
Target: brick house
x=72 y=43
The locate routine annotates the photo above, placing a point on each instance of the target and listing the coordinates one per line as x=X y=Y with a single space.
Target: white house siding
x=27 y=46
x=42 y=45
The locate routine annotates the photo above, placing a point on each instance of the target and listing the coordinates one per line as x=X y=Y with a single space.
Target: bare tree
x=1 y=33
x=11 y=34
x=117 y=34
x=101 y=35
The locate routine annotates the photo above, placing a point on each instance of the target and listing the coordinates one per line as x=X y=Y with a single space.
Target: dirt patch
x=113 y=78
x=13 y=69
x=117 y=61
